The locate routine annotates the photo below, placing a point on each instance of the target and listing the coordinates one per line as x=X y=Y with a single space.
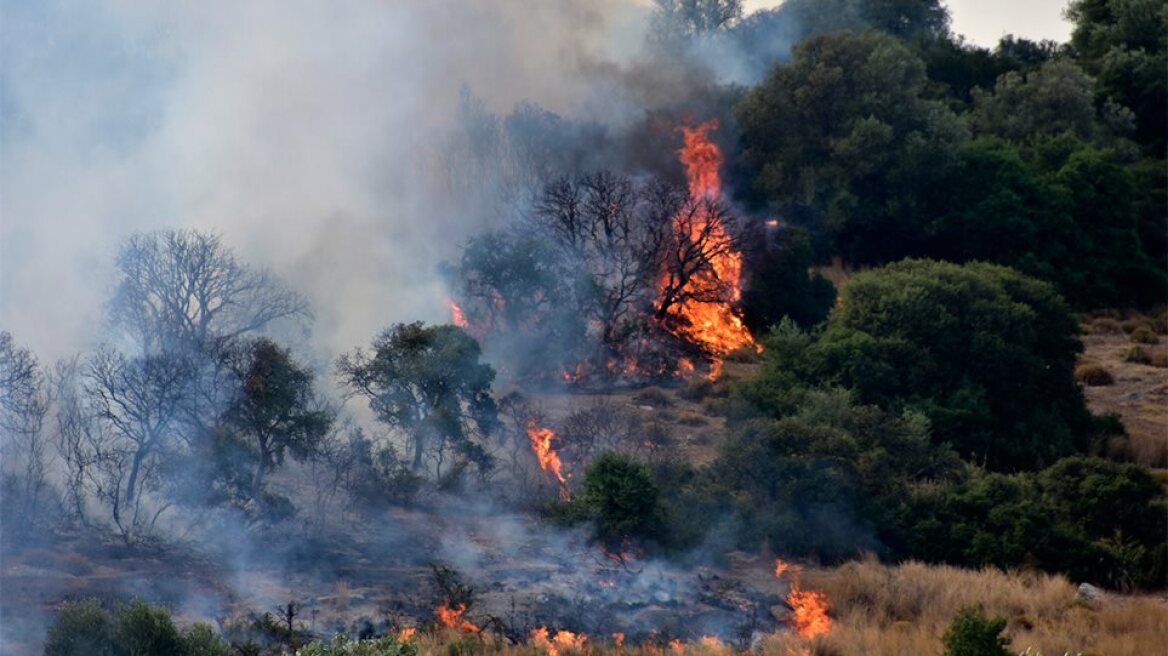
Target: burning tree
x=427 y=382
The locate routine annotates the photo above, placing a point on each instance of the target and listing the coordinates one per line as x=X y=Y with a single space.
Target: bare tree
x=24 y=403
x=700 y=239
x=676 y=19
x=137 y=403
x=183 y=290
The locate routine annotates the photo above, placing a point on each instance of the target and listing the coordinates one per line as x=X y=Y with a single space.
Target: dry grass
x=905 y=609
x=1139 y=395
x=1093 y=375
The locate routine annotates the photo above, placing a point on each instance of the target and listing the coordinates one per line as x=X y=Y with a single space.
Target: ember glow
x=456 y=316
x=406 y=634
x=808 y=608
x=714 y=326
x=541 y=444
x=453 y=617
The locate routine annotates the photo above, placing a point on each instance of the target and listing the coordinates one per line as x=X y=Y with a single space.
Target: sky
x=985 y=21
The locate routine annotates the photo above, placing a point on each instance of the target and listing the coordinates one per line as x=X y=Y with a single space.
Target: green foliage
x=780 y=285
x=619 y=494
x=844 y=137
x=428 y=382
x=81 y=628
x=1048 y=101
x=85 y=628
x=803 y=482
x=344 y=646
x=982 y=351
x=972 y=634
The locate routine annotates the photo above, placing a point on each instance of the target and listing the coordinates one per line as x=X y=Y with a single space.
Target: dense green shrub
x=984 y=352
x=972 y=634
x=86 y=628
x=619 y=494
x=81 y=628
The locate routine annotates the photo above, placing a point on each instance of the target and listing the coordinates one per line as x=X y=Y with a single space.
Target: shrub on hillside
x=1138 y=355
x=85 y=628
x=1093 y=375
x=620 y=496
x=1144 y=335
x=972 y=634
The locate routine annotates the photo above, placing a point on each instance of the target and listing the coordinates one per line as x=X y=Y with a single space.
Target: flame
x=549 y=460
x=713 y=325
x=456 y=315
x=808 y=607
x=566 y=640
x=405 y=634
x=676 y=647
x=452 y=617
x=808 y=612
x=618 y=639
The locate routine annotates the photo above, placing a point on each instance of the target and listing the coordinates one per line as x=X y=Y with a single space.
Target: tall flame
x=808 y=608
x=541 y=444
x=456 y=315
x=713 y=325
x=452 y=617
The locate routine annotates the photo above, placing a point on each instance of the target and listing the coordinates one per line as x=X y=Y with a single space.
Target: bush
x=1160 y=359
x=1144 y=335
x=1093 y=375
x=1131 y=325
x=1138 y=355
x=1105 y=326
x=144 y=629
x=344 y=646
x=201 y=640
x=652 y=397
x=81 y=628
x=620 y=495
x=972 y=634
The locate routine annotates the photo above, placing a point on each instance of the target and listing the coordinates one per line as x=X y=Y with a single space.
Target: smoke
x=298 y=130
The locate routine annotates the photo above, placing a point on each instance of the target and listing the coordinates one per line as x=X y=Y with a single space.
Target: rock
x=1088 y=593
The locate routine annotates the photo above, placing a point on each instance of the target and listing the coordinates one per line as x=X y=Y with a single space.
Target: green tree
x=81 y=628
x=1057 y=97
x=428 y=382
x=972 y=634
x=984 y=352
x=844 y=136
x=145 y=630
x=1124 y=44
x=781 y=285
x=620 y=495
x=276 y=412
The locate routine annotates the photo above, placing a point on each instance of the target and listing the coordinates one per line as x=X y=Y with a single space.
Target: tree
x=1053 y=99
x=780 y=284
x=182 y=290
x=427 y=382
x=1124 y=44
x=24 y=403
x=276 y=412
x=675 y=19
x=984 y=352
x=138 y=403
x=843 y=139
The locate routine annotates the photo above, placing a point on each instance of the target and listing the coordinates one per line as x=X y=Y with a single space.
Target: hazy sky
x=985 y=21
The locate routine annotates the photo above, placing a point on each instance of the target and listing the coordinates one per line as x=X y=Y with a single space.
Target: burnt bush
x=1093 y=375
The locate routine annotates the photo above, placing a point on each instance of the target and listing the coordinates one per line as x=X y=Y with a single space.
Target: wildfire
x=549 y=460
x=406 y=634
x=456 y=316
x=713 y=325
x=566 y=640
x=452 y=617
x=618 y=638
x=808 y=607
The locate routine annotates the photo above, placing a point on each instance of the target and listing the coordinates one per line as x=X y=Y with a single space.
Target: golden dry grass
x=882 y=610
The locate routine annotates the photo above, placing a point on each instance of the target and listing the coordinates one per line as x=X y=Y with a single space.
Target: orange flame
x=406 y=634
x=549 y=460
x=566 y=640
x=713 y=325
x=456 y=316
x=676 y=647
x=808 y=608
x=452 y=617
x=618 y=639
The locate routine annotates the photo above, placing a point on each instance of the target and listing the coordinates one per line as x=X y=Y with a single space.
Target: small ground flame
x=808 y=608
x=541 y=444
x=562 y=640
x=452 y=617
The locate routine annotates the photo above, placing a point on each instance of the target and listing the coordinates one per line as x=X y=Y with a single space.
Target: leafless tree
x=183 y=290
x=25 y=397
x=689 y=18
x=137 y=403
x=701 y=237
